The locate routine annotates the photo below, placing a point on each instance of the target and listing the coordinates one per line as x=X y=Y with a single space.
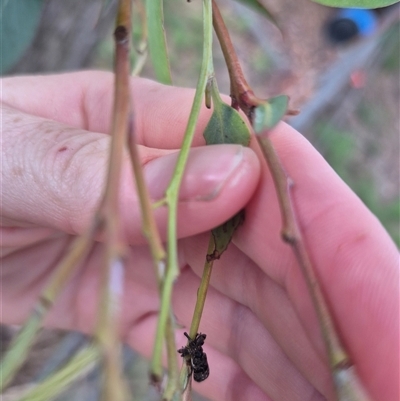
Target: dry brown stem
x=291 y=234
x=243 y=97
x=107 y=333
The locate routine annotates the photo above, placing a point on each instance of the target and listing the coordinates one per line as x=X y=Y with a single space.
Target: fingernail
x=207 y=170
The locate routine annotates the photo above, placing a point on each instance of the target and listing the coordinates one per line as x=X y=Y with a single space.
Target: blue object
x=350 y=23
x=365 y=20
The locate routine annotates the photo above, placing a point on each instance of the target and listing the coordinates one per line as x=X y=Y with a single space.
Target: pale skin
x=263 y=340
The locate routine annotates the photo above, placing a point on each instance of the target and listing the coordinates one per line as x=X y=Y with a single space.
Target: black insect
x=198 y=358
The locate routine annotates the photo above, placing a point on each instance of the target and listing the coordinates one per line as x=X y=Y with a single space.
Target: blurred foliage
x=391 y=62
x=339 y=149
x=185 y=42
x=157 y=41
x=183 y=23
x=19 y=20
x=357 y=3
x=260 y=8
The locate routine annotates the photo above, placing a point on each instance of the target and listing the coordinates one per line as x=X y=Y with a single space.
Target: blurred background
x=341 y=69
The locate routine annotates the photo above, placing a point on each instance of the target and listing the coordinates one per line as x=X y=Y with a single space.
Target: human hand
x=263 y=341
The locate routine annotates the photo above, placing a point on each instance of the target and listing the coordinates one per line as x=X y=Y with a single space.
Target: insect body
x=198 y=358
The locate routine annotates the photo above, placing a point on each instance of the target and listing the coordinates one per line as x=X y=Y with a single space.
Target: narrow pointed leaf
x=357 y=3
x=268 y=114
x=157 y=42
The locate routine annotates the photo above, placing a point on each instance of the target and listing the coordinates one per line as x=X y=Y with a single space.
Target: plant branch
x=225 y=126
x=291 y=234
x=112 y=272
x=202 y=291
x=21 y=344
x=347 y=384
x=149 y=226
x=243 y=97
x=241 y=93
x=290 y=231
x=172 y=193
x=158 y=253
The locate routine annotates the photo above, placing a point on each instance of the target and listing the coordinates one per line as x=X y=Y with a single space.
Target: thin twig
x=348 y=386
x=291 y=234
x=243 y=97
x=150 y=231
x=185 y=377
x=149 y=226
x=241 y=93
x=107 y=332
x=21 y=344
x=202 y=291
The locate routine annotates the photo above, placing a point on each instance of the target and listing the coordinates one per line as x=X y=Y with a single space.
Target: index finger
x=84 y=100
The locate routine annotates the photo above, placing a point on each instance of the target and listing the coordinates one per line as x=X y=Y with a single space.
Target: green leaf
x=157 y=41
x=226 y=124
x=357 y=3
x=268 y=114
x=222 y=235
x=260 y=8
x=19 y=20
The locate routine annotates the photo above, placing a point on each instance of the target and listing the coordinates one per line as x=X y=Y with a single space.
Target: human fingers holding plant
x=357 y=265
x=55 y=152
x=262 y=336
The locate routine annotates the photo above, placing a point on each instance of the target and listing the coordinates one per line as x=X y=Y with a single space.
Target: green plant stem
x=172 y=194
x=157 y=41
x=220 y=236
x=149 y=226
x=202 y=291
x=152 y=235
x=172 y=386
x=21 y=344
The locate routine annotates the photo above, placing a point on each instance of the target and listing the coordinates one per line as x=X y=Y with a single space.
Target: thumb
x=53 y=176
